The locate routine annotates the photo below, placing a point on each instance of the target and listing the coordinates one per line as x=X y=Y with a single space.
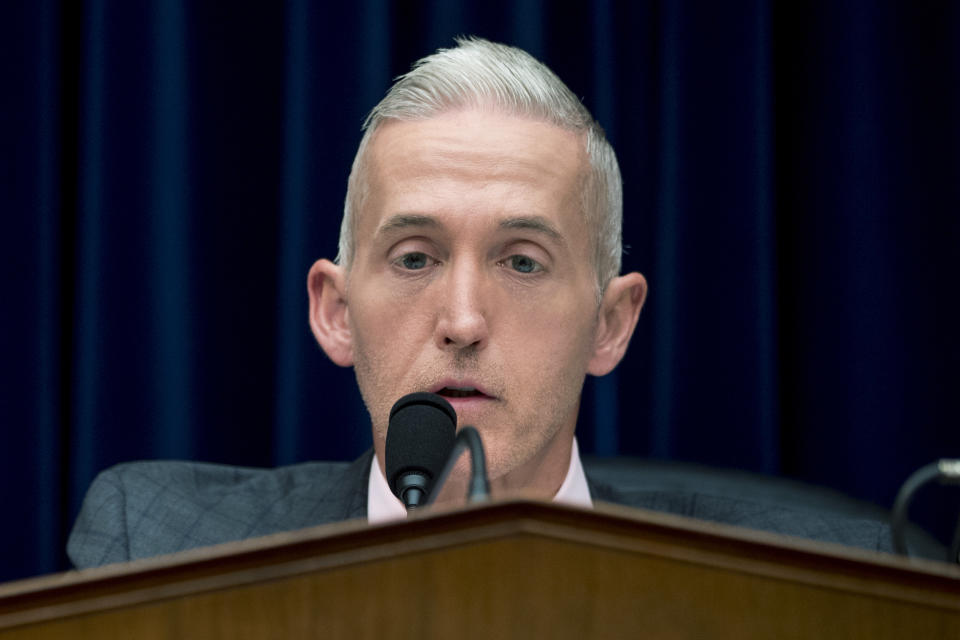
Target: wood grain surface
x=515 y=569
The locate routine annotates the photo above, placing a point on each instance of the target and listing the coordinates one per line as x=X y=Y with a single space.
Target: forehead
x=487 y=160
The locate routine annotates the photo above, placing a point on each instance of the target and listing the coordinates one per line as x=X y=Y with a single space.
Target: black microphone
x=420 y=436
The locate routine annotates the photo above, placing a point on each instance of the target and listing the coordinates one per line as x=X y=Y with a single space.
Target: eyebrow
x=407 y=220
x=534 y=223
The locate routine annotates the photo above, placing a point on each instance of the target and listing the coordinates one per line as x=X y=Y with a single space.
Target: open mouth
x=461 y=392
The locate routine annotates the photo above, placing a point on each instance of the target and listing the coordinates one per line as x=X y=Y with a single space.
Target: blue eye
x=414 y=261
x=524 y=264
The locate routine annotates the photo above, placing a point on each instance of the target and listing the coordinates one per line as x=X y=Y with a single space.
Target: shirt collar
x=383 y=506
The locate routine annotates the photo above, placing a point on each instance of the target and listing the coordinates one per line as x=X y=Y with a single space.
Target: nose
x=462 y=321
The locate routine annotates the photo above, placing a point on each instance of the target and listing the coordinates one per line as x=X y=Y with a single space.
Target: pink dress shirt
x=383 y=506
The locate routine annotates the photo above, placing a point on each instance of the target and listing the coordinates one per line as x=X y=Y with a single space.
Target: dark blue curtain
x=171 y=169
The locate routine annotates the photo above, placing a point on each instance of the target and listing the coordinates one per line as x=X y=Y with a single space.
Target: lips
x=454 y=392
x=457 y=389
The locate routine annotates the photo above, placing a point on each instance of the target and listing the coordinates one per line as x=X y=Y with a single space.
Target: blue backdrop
x=171 y=169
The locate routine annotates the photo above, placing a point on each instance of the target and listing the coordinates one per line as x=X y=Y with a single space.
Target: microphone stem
x=947 y=472
x=468 y=439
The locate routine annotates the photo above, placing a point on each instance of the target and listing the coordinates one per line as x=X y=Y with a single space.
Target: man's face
x=472 y=277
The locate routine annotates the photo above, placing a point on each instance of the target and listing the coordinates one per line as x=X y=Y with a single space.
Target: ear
x=326 y=286
x=619 y=311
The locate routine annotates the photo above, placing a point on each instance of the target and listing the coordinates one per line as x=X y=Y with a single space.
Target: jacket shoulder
x=741 y=499
x=853 y=531
x=141 y=509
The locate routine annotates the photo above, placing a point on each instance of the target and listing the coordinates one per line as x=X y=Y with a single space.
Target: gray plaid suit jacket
x=144 y=509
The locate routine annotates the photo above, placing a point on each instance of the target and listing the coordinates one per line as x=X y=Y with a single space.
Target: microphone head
x=420 y=436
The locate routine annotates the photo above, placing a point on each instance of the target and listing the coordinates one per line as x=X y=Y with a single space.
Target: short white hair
x=479 y=73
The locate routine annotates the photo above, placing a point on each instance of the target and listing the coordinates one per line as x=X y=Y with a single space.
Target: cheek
x=389 y=331
x=546 y=354
x=557 y=328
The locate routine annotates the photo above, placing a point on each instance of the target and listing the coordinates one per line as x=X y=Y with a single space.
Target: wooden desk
x=516 y=569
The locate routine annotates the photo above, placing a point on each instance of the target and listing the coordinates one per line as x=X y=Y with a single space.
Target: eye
x=414 y=261
x=523 y=264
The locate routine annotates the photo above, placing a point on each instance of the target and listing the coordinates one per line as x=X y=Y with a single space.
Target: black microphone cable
x=946 y=472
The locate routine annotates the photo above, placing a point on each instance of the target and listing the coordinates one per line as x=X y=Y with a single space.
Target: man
x=471 y=260
x=479 y=259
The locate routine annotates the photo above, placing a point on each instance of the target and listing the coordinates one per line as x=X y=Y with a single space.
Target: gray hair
x=480 y=73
